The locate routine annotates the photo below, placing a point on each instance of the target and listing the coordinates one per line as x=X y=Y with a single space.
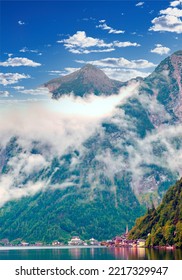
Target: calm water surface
x=99 y=253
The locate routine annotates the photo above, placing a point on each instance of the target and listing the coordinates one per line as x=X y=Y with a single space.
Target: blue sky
x=41 y=40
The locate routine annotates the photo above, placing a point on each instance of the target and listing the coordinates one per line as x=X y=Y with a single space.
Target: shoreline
x=6 y=248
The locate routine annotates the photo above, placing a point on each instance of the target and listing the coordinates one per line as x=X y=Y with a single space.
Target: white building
x=93 y=242
x=75 y=241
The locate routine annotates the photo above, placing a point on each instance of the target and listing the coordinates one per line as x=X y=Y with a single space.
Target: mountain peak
x=89 y=79
x=178 y=53
x=165 y=83
x=89 y=66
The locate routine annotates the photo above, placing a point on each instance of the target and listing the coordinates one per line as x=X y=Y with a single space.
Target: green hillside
x=163 y=225
x=60 y=214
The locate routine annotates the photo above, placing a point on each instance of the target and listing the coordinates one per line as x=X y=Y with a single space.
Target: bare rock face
x=88 y=79
x=165 y=84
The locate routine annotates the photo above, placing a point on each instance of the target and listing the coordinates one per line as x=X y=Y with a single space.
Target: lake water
x=80 y=253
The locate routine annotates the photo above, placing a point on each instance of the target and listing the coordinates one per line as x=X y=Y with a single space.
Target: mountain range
x=126 y=164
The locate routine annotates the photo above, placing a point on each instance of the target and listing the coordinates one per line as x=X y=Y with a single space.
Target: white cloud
x=66 y=71
x=79 y=43
x=59 y=124
x=58 y=127
x=112 y=71
x=10 y=54
x=159 y=49
x=125 y=44
x=26 y=50
x=30 y=164
x=124 y=75
x=121 y=68
x=110 y=30
x=167 y=23
x=169 y=159
x=18 y=87
x=11 y=78
x=169 y=20
x=8 y=192
x=55 y=72
x=19 y=61
x=69 y=70
x=176 y=3
x=81 y=51
x=120 y=62
x=4 y=93
x=37 y=91
x=139 y=4
x=20 y=22
x=172 y=12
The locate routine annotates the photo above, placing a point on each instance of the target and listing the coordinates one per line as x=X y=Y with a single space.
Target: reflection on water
x=100 y=253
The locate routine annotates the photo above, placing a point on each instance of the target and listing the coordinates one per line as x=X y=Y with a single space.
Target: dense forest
x=163 y=225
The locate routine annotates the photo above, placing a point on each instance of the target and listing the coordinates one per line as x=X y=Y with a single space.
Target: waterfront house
x=23 y=243
x=117 y=241
x=141 y=243
x=93 y=242
x=75 y=241
x=56 y=243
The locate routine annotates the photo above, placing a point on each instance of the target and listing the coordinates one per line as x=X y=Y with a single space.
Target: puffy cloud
x=20 y=22
x=110 y=30
x=58 y=127
x=172 y=12
x=139 y=4
x=120 y=62
x=124 y=75
x=175 y=3
x=125 y=44
x=4 y=93
x=159 y=49
x=167 y=23
x=8 y=192
x=11 y=78
x=68 y=121
x=55 y=127
x=167 y=157
x=169 y=20
x=37 y=91
x=19 y=61
x=102 y=20
x=79 y=43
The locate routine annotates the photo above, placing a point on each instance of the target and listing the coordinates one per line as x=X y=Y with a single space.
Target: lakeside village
x=118 y=241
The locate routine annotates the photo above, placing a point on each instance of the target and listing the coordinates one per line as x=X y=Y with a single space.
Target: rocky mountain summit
x=165 y=85
x=88 y=79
